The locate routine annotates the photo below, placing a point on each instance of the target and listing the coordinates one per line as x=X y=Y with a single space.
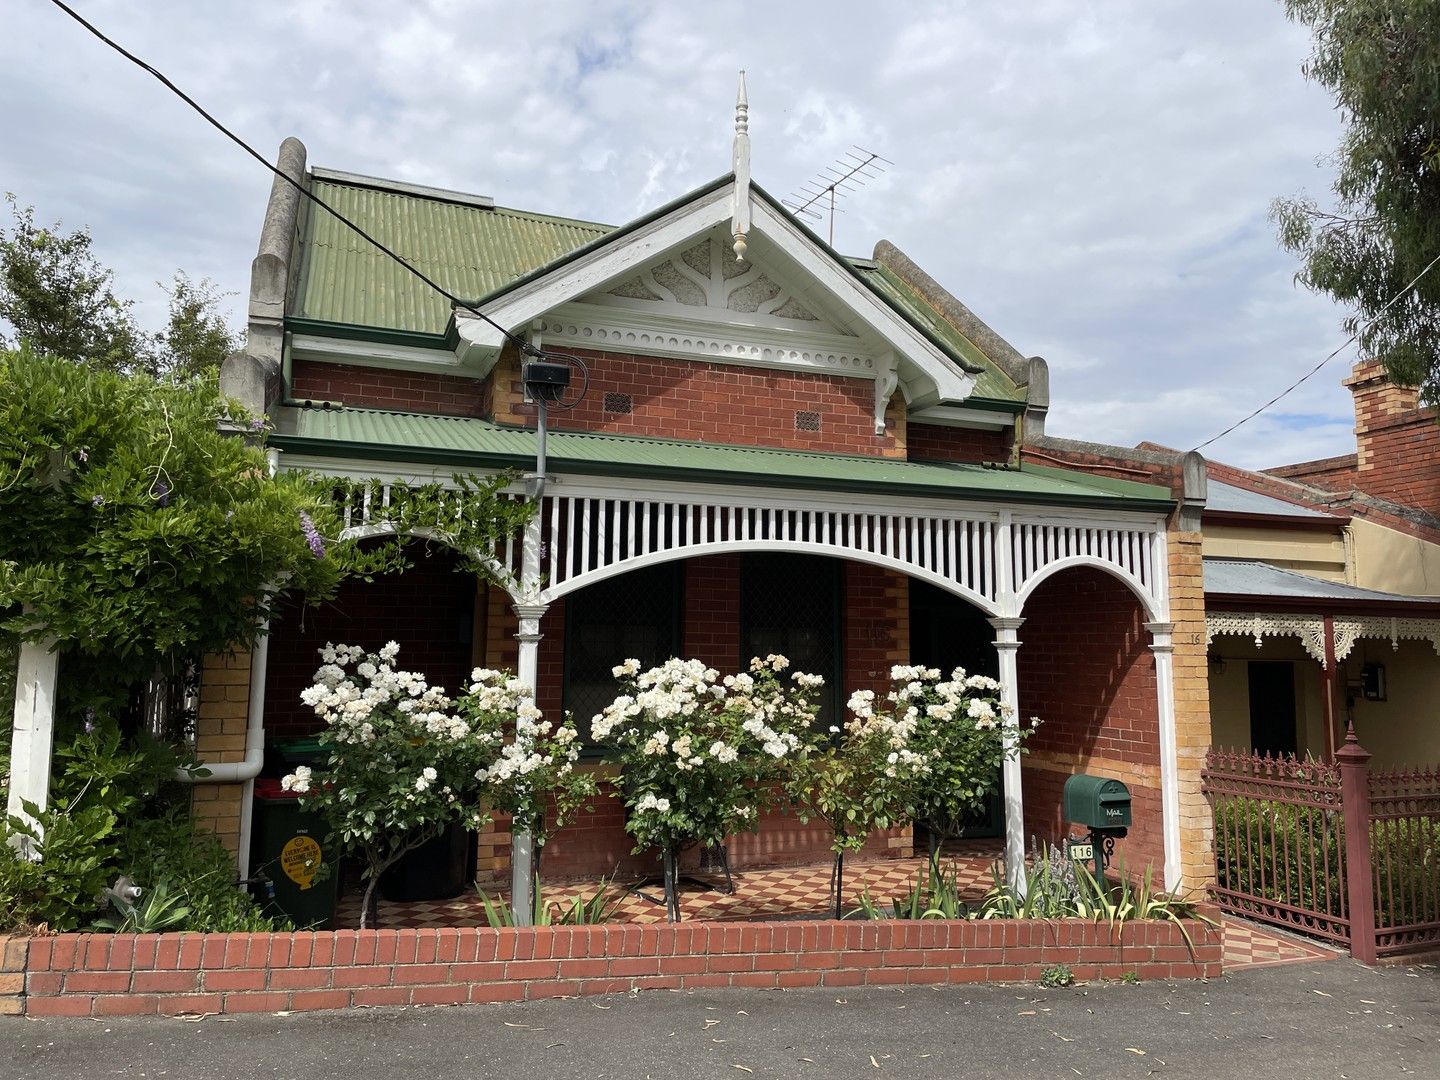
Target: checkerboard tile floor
x=789 y=891
x=1251 y=945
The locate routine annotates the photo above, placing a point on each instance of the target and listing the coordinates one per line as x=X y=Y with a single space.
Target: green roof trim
x=465 y=442
x=347 y=332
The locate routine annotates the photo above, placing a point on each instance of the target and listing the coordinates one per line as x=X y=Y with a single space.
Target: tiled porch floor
x=805 y=890
x=789 y=891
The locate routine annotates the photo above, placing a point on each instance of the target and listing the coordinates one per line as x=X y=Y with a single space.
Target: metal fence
x=1329 y=850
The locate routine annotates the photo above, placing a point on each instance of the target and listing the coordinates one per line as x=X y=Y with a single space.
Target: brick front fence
x=111 y=975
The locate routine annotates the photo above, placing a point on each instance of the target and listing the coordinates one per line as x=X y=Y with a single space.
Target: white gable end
x=674 y=287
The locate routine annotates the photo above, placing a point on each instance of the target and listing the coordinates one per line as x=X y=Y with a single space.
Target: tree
x=1381 y=61
x=60 y=301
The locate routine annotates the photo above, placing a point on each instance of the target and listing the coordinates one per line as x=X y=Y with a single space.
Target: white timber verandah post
x=1162 y=645
x=33 y=731
x=1007 y=645
x=527 y=670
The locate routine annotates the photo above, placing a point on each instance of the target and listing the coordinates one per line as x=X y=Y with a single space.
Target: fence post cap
x=1352 y=753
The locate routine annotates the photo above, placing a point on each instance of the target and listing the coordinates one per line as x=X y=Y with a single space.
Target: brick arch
x=1086 y=669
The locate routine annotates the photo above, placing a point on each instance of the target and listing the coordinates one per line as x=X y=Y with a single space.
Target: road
x=1331 y=1019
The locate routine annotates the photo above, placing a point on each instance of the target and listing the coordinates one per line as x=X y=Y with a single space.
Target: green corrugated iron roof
x=464 y=442
x=471 y=250
x=991 y=383
x=477 y=251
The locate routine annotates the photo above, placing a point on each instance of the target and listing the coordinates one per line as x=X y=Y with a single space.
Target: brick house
x=1322 y=587
x=791 y=451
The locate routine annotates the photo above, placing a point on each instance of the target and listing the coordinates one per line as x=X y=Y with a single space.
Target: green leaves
x=1381 y=61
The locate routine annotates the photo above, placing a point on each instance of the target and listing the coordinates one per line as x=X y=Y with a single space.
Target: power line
x=1343 y=346
x=524 y=346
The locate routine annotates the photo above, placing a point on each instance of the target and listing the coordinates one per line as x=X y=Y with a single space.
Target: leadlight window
x=632 y=615
x=790 y=604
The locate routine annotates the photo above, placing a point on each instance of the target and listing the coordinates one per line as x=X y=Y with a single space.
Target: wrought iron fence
x=1330 y=850
x=1279 y=841
x=1405 y=859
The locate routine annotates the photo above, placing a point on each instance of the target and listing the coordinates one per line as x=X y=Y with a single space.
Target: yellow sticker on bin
x=300 y=859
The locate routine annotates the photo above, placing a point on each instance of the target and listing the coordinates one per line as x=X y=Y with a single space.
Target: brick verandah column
x=1354 y=760
x=220 y=737
x=1192 y=706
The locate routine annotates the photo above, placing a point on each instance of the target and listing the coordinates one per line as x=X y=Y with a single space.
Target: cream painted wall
x=1405 y=728
x=1230 y=692
x=1392 y=561
x=1319 y=553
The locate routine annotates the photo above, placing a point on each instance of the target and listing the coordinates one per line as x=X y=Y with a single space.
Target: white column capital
x=1007 y=631
x=529 y=616
x=1161 y=636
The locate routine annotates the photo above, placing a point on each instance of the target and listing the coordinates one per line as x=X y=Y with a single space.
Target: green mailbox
x=1096 y=802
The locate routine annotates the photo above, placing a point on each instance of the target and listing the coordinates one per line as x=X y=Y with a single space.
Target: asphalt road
x=1331 y=1019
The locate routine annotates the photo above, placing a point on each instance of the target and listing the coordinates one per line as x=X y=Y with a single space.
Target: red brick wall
x=876 y=616
x=427 y=609
x=1085 y=668
x=929 y=442
x=174 y=974
x=719 y=403
x=379 y=388
x=711 y=630
x=1397 y=442
x=1332 y=474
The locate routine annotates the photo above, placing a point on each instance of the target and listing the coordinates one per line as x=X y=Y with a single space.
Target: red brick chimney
x=1397 y=443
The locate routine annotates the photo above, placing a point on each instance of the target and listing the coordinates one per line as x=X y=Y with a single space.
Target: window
x=790 y=604
x=633 y=615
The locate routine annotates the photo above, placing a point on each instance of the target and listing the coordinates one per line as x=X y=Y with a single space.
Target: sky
x=1092 y=177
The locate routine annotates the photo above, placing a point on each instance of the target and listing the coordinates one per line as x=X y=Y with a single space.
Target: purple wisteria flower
x=97 y=501
x=312 y=535
x=161 y=491
x=258 y=424
x=89 y=721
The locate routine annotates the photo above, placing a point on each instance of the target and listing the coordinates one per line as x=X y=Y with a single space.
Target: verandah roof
x=375 y=435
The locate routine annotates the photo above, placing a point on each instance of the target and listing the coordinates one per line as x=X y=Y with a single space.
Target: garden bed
x=173 y=974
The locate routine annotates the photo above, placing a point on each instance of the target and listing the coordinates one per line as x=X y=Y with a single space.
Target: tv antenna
x=849 y=173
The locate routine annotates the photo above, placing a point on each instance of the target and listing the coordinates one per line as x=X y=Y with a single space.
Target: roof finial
x=740 y=166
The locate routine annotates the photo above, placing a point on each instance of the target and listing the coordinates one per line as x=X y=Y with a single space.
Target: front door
x=1272 y=707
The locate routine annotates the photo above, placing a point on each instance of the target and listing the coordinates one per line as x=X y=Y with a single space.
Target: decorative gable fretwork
x=703 y=303
x=1310 y=629
x=708 y=275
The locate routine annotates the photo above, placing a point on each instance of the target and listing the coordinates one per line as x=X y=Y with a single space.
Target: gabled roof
x=343 y=287
x=466 y=443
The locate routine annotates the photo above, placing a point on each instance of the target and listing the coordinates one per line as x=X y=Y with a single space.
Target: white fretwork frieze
x=1310 y=629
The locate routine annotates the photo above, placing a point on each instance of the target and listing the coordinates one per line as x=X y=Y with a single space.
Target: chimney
x=1379 y=405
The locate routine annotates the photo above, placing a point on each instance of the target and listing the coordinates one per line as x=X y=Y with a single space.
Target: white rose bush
x=964 y=735
x=700 y=757
x=929 y=750
x=404 y=761
x=533 y=777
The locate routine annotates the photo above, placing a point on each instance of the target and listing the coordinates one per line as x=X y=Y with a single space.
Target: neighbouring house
x=781 y=450
x=1322 y=591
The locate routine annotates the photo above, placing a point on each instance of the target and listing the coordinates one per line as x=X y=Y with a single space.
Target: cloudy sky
x=1092 y=177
